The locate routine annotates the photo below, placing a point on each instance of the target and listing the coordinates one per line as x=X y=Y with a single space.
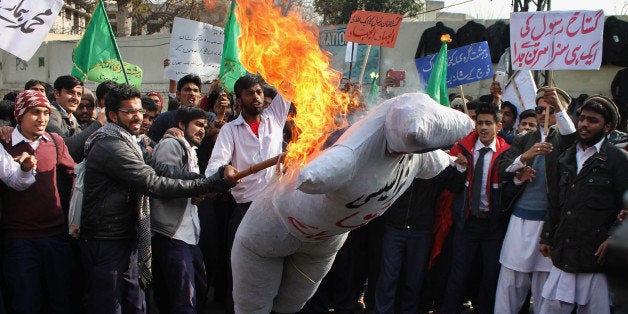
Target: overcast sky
x=497 y=9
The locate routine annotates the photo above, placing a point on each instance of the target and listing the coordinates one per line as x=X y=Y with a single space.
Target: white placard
x=556 y=40
x=524 y=83
x=351 y=47
x=25 y=24
x=195 y=48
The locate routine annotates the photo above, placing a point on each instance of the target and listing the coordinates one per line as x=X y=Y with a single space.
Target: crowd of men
x=525 y=213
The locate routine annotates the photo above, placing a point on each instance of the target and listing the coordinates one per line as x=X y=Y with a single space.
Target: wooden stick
x=366 y=59
x=258 y=167
x=516 y=88
x=547 y=110
x=464 y=101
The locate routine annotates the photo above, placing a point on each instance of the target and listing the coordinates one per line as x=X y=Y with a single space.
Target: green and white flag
x=96 y=56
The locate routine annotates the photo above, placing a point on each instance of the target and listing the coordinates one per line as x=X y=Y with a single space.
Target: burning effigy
x=292 y=231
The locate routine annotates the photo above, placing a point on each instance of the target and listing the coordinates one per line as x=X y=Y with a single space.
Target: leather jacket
x=115 y=178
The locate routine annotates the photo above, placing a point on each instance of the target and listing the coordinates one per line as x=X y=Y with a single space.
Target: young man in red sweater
x=36 y=250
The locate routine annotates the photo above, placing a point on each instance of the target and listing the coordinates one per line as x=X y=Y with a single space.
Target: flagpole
x=115 y=44
x=366 y=59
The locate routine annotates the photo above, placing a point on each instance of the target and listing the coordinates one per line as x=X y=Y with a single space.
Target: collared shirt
x=236 y=144
x=485 y=170
x=565 y=127
x=190 y=228
x=11 y=173
x=17 y=137
x=583 y=154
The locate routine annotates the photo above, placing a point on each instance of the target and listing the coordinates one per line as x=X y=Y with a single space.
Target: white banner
x=521 y=89
x=195 y=48
x=25 y=24
x=556 y=40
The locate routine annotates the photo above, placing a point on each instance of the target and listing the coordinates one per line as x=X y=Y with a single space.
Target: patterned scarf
x=143 y=223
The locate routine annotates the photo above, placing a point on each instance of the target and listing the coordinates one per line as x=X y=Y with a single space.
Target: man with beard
x=254 y=136
x=180 y=278
x=84 y=113
x=586 y=186
x=115 y=222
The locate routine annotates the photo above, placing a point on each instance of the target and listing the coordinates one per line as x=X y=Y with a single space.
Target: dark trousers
x=479 y=236
x=112 y=273
x=399 y=245
x=35 y=271
x=180 y=282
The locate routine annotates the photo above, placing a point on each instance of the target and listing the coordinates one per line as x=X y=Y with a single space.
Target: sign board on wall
x=556 y=40
x=373 y=28
x=465 y=64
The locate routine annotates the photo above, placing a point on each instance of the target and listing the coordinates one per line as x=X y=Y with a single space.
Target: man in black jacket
x=586 y=186
x=113 y=238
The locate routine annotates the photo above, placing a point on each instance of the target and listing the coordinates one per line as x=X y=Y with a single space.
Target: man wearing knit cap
x=36 y=256
x=522 y=265
x=586 y=186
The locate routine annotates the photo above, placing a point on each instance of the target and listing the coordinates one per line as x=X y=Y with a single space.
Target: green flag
x=230 y=67
x=374 y=89
x=437 y=84
x=96 y=56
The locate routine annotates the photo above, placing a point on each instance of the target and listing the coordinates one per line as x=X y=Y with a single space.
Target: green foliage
x=339 y=11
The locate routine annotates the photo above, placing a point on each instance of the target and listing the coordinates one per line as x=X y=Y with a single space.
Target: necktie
x=477 y=187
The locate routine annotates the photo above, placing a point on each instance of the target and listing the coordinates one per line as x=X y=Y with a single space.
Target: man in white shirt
x=179 y=273
x=586 y=186
x=254 y=136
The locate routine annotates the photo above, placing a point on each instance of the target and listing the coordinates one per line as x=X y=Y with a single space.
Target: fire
x=445 y=38
x=285 y=51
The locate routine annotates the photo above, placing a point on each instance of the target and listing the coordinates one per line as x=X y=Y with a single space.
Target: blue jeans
x=112 y=275
x=398 y=244
x=179 y=276
x=37 y=268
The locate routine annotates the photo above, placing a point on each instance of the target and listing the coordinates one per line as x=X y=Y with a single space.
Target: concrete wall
x=149 y=52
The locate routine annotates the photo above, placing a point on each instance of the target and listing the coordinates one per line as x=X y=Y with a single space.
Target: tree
x=339 y=11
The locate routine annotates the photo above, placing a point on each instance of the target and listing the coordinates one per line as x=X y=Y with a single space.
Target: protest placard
x=522 y=87
x=464 y=65
x=195 y=48
x=25 y=24
x=373 y=28
x=556 y=40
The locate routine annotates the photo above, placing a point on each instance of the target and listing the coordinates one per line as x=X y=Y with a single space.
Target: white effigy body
x=290 y=235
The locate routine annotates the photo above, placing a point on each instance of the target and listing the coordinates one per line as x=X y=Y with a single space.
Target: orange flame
x=285 y=51
x=445 y=38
